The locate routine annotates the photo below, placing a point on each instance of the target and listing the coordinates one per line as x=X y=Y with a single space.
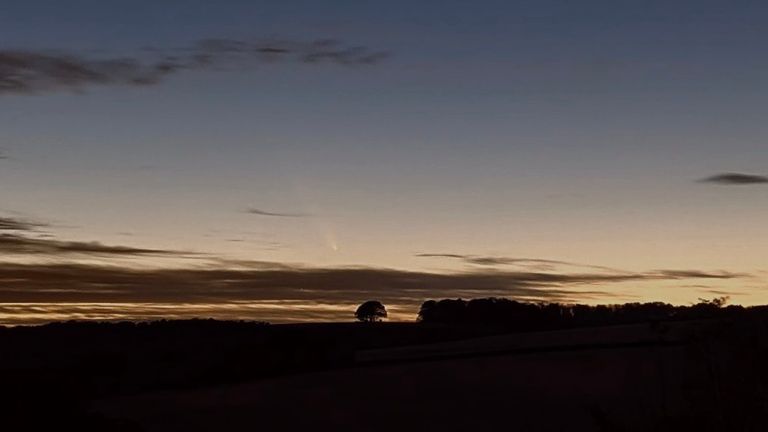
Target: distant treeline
x=530 y=315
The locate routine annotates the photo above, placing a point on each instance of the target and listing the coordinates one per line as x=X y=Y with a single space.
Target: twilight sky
x=288 y=160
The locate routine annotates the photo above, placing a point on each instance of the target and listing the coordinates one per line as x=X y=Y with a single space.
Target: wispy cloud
x=30 y=72
x=548 y=268
x=24 y=245
x=21 y=236
x=19 y=224
x=260 y=212
x=264 y=281
x=483 y=260
x=695 y=274
x=735 y=179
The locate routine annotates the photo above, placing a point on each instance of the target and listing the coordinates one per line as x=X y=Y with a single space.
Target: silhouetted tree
x=427 y=311
x=451 y=311
x=371 y=311
x=528 y=315
x=717 y=302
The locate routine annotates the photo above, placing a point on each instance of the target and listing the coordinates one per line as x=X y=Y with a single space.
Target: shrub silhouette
x=371 y=311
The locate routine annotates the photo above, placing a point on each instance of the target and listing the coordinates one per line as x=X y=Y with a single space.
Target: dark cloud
x=21 y=236
x=735 y=179
x=19 y=224
x=84 y=283
x=501 y=261
x=610 y=274
x=694 y=274
x=284 y=292
x=721 y=292
x=32 y=72
x=319 y=51
x=259 y=212
x=442 y=255
x=263 y=281
x=28 y=72
x=25 y=245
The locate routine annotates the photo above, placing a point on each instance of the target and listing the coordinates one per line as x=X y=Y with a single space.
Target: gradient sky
x=573 y=132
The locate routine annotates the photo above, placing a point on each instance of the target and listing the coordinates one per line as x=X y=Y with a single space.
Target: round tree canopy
x=371 y=311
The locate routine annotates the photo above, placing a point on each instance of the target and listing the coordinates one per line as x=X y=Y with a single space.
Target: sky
x=289 y=160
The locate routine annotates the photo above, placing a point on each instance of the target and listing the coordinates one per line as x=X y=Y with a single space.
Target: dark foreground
x=215 y=376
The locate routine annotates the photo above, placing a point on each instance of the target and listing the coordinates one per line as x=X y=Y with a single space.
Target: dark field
x=209 y=376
